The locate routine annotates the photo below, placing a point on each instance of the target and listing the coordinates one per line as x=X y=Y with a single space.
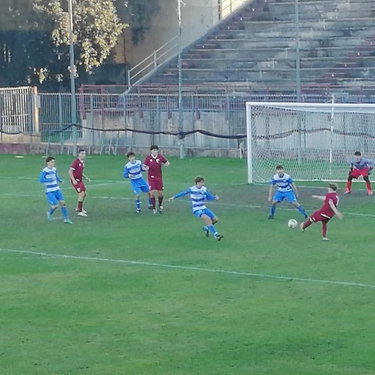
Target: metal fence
x=107 y=122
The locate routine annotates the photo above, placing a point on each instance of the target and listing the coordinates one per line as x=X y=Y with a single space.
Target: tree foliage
x=34 y=38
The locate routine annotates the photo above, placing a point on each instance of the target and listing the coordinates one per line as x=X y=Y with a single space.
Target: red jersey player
x=326 y=212
x=154 y=162
x=76 y=179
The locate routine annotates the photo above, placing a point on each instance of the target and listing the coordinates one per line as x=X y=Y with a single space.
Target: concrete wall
x=201 y=14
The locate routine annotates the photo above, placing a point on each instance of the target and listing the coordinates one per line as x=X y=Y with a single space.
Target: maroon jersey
x=326 y=209
x=78 y=166
x=154 y=165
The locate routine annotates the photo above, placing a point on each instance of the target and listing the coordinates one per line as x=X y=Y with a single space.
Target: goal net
x=312 y=141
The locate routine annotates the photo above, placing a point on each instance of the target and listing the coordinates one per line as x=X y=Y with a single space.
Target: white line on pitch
x=188 y=268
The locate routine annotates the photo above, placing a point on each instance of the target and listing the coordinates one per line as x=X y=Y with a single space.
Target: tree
x=34 y=38
x=96 y=29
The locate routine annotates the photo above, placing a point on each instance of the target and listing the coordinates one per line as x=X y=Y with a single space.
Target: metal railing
x=170 y=49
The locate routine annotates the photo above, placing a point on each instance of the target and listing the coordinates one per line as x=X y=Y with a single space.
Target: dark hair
x=333 y=186
x=81 y=150
x=49 y=158
x=130 y=153
x=279 y=166
x=357 y=153
x=198 y=179
x=154 y=147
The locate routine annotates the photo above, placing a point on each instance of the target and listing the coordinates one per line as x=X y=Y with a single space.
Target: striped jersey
x=283 y=183
x=197 y=197
x=50 y=179
x=363 y=163
x=135 y=169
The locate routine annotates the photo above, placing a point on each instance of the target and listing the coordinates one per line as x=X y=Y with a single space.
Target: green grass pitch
x=121 y=293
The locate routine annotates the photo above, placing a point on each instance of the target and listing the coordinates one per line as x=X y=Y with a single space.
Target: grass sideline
x=121 y=293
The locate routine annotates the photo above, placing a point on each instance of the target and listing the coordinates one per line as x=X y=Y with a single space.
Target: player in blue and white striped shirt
x=286 y=189
x=133 y=170
x=198 y=194
x=51 y=180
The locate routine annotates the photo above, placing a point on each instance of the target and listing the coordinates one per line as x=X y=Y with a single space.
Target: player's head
x=131 y=156
x=332 y=187
x=199 y=181
x=50 y=160
x=154 y=150
x=81 y=154
x=357 y=156
x=280 y=170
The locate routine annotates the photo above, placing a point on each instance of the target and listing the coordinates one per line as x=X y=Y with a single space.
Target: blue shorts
x=139 y=185
x=54 y=197
x=205 y=211
x=289 y=196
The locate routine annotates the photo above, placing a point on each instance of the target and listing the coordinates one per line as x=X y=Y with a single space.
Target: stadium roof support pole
x=73 y=103
x=180 y=112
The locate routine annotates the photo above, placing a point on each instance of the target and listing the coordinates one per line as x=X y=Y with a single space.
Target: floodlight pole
x=73 y=103
x=179 y=67
x=298 y=58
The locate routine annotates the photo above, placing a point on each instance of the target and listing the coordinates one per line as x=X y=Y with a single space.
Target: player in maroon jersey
x=326 y=212
x=76 y=179
x=154 y=162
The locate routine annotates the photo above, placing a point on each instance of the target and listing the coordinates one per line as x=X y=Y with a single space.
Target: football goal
x=313 y=141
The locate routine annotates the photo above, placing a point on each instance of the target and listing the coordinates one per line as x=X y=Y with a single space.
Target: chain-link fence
x=107 y=122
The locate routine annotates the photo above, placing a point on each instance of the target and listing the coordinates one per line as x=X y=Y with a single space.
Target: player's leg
x=53 y=202
x=324 y=230
x=277 y=198
x=352 y=174
x=209 y=217
x=81 y=190
x=64 y=211
x=297 y=205
x=144 y=188
x=367 y=181
x=160 y=195
x=151 y=198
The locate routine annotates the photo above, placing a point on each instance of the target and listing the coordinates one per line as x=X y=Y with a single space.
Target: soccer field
x=126 y=293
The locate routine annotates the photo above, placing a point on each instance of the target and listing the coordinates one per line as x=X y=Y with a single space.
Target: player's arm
x=70 y=173
x=85 y=177
x=59 y=179
x=126 y=173
x=370 y=165
x=179 y=195
x=294 y=187
x=211 y=197
x=145 y=167
x=165 y=162
x=321 y=197
x=43 y=179
x=335 y=210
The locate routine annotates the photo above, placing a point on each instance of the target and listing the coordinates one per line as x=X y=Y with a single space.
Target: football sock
x=212 y=229
x=205 y=228
x=160 y=198
x=348 y=185
x=272 y=210
x=303 y=212
x=306 y=224
x=138 y=204
x=324 y=229
x=368 y=185
x=150 y=202
x=80 y=206
x=153 y=202
x=51 y=211
x=64 y=212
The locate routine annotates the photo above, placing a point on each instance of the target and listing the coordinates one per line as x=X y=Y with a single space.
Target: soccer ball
x=292 y=223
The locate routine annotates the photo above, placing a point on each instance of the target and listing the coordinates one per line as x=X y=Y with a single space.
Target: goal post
x=313 y=141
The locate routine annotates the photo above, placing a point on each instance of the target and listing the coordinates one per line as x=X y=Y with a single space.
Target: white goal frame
x=334 y=112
